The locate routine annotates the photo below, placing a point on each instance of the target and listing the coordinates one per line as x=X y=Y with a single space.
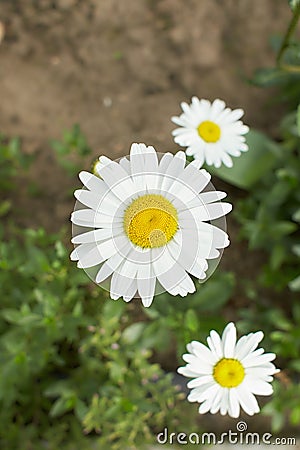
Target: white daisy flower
x=146 y=224
x=227 y=374
x=211 y=132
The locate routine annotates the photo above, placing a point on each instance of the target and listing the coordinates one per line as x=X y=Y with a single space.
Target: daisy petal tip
x=147 y=301
x=180 y=370
x=73 y=255
x=228 y=163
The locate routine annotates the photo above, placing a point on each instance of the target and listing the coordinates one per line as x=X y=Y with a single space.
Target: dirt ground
x=120 y=70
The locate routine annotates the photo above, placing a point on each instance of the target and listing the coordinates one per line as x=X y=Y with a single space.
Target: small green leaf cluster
x=66 y=351
x=71 y=150
x=12 y=163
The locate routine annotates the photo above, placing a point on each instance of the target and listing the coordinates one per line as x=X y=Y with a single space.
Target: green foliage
x=189 y=318
x=64 y=355
x=294 y=4
x=286 y=74
x=252 y=165
x=13 y=163
x=269 y=216
x=71 y=150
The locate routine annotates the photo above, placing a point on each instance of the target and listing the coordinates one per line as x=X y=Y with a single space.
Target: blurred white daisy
x=211 y=132
x=228 y=373
x=148 y=224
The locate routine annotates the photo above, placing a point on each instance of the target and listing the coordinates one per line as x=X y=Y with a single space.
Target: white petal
x=227 y=161
x=92 y=258
x=234 y=406
x=109 y=267
x=118 y=286
x=103 y=251
x=81 y=251
x=216 y=108
x=89 y=218
x=208 y=393
x=246 y=344
x=216 y=403
x=197 y=392
x=215 y=344
x=124 y=162
x=229 y=340
x=146 y=284
x=92 y=236
x=247 y=400
x=212 y=196
x=173 y=170
x=118 y=181
x=187 y=371
x=211 y=211
x=258 y=387
x=202 y=352
x=258 y=360
x=224 y=407
x=199 y=381
x=173 y=278
x=131 y=291
x=92 y=182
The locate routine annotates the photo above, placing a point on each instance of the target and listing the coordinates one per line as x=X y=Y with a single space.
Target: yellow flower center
x=228 y=372
x=150 y=221
x=209 y=131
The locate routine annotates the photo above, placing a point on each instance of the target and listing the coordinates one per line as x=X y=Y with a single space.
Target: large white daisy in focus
x=146 y=224
x=211 y=132
x=228 y=374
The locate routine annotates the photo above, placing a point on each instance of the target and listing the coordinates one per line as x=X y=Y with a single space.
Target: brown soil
x=120 y=70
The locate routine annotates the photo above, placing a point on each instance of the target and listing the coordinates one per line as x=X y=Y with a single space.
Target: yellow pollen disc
x=229 y=372
x=209 y=131
x=150 y=221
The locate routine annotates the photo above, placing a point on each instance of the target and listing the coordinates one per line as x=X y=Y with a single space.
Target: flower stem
x=288 y=34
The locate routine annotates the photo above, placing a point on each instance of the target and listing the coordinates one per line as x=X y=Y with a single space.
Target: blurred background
x=83 y=78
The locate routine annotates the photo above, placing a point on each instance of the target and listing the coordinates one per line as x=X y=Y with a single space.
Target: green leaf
x=80 y=409
x=295 y=284
x=295 y=365
x=61 y=406
x=191 y=320
x=133 y=333
x=296 y=216
x=294 y=4
x=11 y=315
x=282 y=228
x=295 y=416
x=296 y=249
x=251 y=166
x=5 y=206
x=277 y=256
x=269 y=76
x=213 y=295
x=298 y=119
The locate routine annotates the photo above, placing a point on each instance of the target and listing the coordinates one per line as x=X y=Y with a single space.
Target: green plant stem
x=288 y=34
